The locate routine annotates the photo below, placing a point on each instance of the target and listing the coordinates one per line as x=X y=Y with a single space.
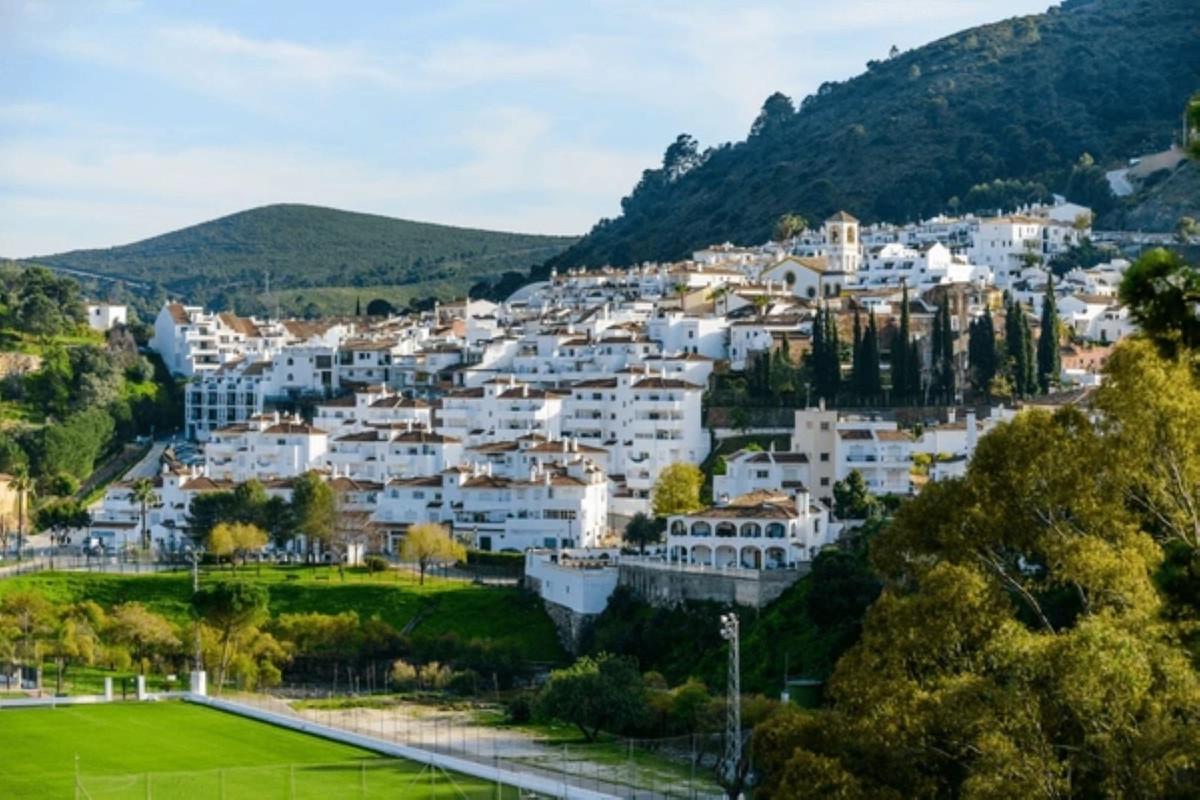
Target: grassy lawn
x=484 y=612
x=189 y=752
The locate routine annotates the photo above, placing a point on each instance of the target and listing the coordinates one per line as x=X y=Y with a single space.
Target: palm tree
x=22 y=484
x=761 y=301
x=717 y=295
x=143 y=495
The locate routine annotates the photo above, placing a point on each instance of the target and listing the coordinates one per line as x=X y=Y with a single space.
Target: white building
x=1006 y=245
x=554 y=507
x=383 y=453
x=103 y=316
x=266 y=446
x=646 y=421
x=835 y=447
x=748 y=471
x=761 y=530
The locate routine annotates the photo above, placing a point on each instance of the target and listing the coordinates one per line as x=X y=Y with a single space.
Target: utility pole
x=733 y=700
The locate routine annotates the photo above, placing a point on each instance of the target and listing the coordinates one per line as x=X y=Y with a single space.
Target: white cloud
x=515 y=175
x=536 y=155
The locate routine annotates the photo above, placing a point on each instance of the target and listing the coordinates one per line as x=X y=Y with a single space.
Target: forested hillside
x=1044 y=102
x=307 y=246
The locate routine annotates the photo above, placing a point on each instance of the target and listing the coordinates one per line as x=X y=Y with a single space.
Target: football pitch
x=176 y=750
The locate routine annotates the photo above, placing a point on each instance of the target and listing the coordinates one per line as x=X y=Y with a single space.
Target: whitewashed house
x=761 y=530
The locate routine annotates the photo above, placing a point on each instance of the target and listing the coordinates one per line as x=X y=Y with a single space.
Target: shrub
x=404 y=675
x=375 y=563
x=520 y=708
x=464 y=682
x=434 y=676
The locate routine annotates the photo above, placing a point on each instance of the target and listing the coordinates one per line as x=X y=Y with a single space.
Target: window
x=824 y=481
x=825 y=457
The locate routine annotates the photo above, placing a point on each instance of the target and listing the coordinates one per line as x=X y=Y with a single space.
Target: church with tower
x=824 y=269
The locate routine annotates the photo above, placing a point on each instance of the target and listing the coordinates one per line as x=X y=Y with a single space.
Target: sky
x=122 y=119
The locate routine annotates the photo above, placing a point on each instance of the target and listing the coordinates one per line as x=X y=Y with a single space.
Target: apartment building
x=265 y=446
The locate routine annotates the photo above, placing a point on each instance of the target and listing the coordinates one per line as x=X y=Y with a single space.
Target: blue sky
x=121 y=119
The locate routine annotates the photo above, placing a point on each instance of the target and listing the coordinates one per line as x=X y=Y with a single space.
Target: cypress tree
x=871 y=385
x=816 y=366
x=1013 y=346
x=856 y=365
x=833 y=357
x=912 y=363
x=1049 y=360
x=901 y=370
x=981 y=351
x=1029 y=360
x=358 y=306
x=935 y=350
x=946 y=353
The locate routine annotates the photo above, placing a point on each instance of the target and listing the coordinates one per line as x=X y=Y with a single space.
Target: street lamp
x=733 y=698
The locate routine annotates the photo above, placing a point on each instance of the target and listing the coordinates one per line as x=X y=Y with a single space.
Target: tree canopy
x=427 y=544
x=1055 y=667
x=595 y=694
x=677 y=490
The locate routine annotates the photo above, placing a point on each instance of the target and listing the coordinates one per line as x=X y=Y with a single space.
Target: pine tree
x=358 y=306
x=1049 y=360
x=871 y=385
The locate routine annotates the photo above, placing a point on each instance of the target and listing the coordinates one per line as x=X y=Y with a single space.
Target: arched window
x=701 y=529
x=776 y=530
x=790 y=278
x=678 y=528
x=751 y=530
x=811 y=292
x=726 y=529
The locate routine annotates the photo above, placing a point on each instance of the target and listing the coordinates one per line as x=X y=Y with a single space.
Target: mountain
x=1043 y=102
x=1161 y=201
x=308 y=246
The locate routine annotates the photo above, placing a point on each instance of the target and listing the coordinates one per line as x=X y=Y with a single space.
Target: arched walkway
x=726 y=556
x=751 y=558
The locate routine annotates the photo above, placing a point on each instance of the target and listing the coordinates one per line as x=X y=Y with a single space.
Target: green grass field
x=175 y=750
x=485 y=612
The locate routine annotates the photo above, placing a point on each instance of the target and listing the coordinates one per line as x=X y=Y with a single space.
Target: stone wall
x=570 y=625
x=663 y=586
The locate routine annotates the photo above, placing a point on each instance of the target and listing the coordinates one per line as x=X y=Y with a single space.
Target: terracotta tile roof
x=665 y=383
x=178 y=314
x=294 y=428
x=242 y=325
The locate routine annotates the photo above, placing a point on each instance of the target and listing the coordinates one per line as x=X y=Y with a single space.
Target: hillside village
x=543 y=423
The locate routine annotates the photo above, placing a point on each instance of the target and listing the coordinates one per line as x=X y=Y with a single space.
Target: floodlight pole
x=196 y=553
x=733 y=699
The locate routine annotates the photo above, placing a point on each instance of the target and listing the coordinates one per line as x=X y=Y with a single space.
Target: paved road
x=148 y=467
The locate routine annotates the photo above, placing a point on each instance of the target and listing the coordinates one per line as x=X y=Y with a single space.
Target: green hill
x=1021 y=100
x=308 y=246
